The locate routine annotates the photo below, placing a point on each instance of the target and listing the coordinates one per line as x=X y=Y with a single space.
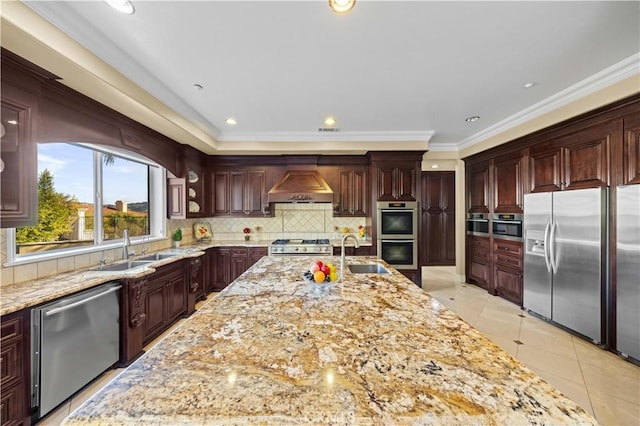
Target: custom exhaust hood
x=301 y=186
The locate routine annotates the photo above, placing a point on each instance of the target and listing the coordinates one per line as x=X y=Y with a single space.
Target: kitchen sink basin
x=125 y=266
x=157 y=256
x=371 y=268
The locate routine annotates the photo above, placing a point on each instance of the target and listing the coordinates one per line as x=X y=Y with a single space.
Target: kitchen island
x=375 y=349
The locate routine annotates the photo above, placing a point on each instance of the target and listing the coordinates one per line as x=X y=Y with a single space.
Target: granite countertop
x=373 y=350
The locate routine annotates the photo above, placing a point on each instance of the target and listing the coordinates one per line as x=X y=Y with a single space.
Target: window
x=87 y=196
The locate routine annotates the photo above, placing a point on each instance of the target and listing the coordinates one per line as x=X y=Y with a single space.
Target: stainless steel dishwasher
x=74 y=340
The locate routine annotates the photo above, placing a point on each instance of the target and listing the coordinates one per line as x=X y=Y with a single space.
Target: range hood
x=301 y=186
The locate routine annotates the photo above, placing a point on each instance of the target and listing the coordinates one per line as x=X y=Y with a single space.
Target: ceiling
x=392 y=73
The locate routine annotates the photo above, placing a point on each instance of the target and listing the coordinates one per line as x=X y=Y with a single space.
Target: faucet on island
x=126 y=243
x=355 y=241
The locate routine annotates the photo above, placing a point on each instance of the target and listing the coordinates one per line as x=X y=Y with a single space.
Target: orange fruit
x=319 y=277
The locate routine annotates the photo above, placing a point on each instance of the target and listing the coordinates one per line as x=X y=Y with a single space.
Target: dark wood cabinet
x=195 y=180
x=237 y=193
x=507 y=184
x=18 y=150
x=396 y=182
x=197 y=285
x=437 y=219
x=631 y=151
x=353 y=251
x=507 y=269
x=575 y=161
x=478 y=261
x=221 y=267
x=353 y=193
x=478 y=187
x=166 y=299
x=228 y=263
x=14 y=368
x=239 y=262
x=257 y=253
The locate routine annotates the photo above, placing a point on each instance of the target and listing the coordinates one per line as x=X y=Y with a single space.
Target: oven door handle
x=518 y=222
x=478 y=220
x=399 y=241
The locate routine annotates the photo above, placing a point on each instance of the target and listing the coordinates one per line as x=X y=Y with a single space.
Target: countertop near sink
x=374 y=350
x=35 y=292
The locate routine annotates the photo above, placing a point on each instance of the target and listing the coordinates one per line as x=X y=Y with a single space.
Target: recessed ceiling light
x=122 y=6
x=341 y=6
x=434 y=166
x=472 y=119
x=198 y=86
x=528 y=85
x=330 y=121
x=231 y=121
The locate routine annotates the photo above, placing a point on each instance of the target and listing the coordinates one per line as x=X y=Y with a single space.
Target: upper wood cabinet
x=578 y=160
x=507 y=183
x=18 y=178
x=631 y=153
x=237 y=193
x=353 y=193
x=478 y=187
x=196 y=183
x=396 y=182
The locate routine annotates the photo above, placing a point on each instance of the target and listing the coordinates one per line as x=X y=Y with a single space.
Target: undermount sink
x=157 y=256
x=371 y=268
x=125 y=266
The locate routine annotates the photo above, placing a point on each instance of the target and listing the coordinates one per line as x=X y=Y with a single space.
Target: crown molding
x=622 y=70
x=399 y=136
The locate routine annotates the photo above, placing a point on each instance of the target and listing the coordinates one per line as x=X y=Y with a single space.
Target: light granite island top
x=374 y=350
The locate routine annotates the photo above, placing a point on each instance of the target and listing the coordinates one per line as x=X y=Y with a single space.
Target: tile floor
x=603 y=384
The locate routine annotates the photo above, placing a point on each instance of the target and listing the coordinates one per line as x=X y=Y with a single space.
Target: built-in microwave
x=478 y=224
x=397 y=220
x=507 y=226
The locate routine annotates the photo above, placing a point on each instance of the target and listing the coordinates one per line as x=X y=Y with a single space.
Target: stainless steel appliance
x=507 y=226
x=397 y=220
x=397 y=236
x=628 y=271
x=74 y=340
x=565 y=261
x=478 y=224
x=289 y=247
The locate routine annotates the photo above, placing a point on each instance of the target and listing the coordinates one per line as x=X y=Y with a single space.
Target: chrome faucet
x=355 y=241
x=126 y=243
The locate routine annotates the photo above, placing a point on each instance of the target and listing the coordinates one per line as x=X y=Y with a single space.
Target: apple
x=314 y=268
x=325 y=269
x=319 y=263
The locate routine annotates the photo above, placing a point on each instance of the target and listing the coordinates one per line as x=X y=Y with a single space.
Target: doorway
x=437 y=219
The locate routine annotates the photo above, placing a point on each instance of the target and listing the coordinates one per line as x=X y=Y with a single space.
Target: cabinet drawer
x=507 y=260
x=11 y=328
x=511 y=248
x=10 y=362
x=239 y=252
x=479 y=243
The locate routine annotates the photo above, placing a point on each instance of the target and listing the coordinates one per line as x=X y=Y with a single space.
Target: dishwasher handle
x=81 y=302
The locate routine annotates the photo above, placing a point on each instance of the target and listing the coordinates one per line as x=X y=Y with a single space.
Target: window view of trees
x=67 y=216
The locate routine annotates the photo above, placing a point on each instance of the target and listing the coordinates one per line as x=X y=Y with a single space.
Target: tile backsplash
x=298 y=220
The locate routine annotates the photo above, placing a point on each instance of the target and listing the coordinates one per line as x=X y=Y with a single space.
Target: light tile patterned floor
x=601 y=382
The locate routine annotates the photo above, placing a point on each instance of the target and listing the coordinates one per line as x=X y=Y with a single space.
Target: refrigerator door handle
x=546 y=246
x=552 y=247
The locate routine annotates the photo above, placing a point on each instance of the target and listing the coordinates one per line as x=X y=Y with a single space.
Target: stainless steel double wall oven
x=397 y=228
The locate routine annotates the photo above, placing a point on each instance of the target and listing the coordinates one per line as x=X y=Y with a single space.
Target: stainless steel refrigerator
x=565 y=261
x=628 y=270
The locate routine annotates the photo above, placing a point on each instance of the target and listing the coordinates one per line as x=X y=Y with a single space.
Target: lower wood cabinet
x=166 y=299
x=228 y=263
x=14 y=368
x=478 y=261
x=507 y=270
x=353 y=251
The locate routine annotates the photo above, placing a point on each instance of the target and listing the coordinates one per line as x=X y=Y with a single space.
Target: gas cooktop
x=300 y=246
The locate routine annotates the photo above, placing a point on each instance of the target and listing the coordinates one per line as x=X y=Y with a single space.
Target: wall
x=293 y=221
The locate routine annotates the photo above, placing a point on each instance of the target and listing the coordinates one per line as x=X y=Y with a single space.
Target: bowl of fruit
x=320 y=275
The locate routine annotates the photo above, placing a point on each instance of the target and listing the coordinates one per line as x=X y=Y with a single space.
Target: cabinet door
x=360 y=193
x=18 y=187
x=254 y=192
x=437 y=219
x=631 y=155
x=177 y=199
x=221 y=268
x=154 y=309
x=405 y=183
x=386 y=188
x=12 y=405
x=345 y=195
x=238 y=266
x=586 y=157
x=237 y=192
x=544 y=168
x=479 y=272
x=478 y=188
x=219 y=194
x=507 y=184
x=176 y=293
x=257 y=253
